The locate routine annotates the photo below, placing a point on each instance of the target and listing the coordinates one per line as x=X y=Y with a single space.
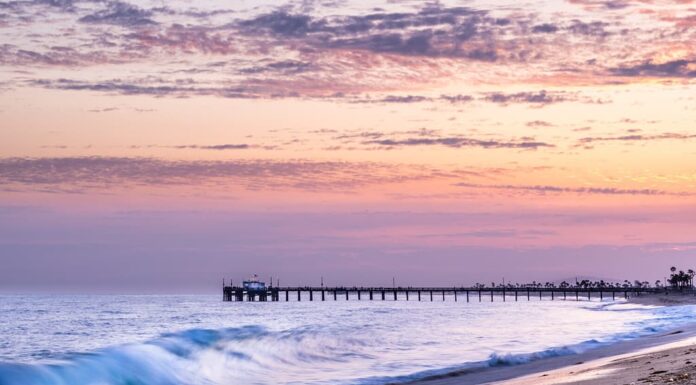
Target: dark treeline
x=677 y=280
x=680 y=279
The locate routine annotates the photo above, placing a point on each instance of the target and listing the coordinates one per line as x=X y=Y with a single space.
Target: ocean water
x=199 y=340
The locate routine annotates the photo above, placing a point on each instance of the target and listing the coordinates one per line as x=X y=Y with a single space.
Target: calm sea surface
x=167 y=340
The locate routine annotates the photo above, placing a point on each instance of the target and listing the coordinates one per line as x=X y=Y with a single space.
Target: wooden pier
x=465 y=294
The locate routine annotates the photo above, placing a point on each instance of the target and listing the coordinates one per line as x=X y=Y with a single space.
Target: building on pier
x=253 y=284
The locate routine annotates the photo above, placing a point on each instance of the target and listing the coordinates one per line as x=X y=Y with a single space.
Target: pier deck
x=466 y=294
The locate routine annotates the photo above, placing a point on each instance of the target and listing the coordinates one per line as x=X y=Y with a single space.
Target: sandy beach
x=663 y=358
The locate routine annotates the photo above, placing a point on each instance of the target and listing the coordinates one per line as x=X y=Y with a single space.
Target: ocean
x=200 y=340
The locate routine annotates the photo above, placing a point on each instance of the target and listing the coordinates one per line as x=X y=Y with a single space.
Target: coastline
x=651 y=358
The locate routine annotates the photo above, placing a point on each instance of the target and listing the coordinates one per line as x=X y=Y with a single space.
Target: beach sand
x=666 y=358
x=673 y=363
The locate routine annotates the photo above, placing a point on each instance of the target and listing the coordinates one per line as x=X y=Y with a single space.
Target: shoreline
x=599 y=366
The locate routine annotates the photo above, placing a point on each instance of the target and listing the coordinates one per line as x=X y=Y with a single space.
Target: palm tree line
x=681 y=279
x=677 y=280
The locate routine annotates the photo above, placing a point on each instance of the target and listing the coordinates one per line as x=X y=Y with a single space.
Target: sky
x=161 y=146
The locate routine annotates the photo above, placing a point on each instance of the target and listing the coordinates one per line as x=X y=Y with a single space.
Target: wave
x=190 y=357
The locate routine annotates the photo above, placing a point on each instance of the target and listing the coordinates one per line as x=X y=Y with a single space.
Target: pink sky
x=441 y=143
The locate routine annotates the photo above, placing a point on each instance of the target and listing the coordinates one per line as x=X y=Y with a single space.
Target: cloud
x=593 y=28
x=456 y=99
x=539 y=123
x=120 y=13
x=458 y=142
x=84 y=174
x=284 y=66
x=333 y=49
x=540 y=97
x=598 y=5
x=545 y=28
x=635 y=138
x=415 y=44
x=408 y=99
x=13 y=55
x=188 y=39
x=432 y=31
x=397 y=99
x=65 y=4
x=283 y=24
x=543 y=189
x=152 y=87
x=248 y=90
x=105 y=109
x=218 y=147
x=676 y=68
x=430 y=137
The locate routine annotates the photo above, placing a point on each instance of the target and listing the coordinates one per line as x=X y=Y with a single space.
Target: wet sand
x=666 y=358
x=673 y=299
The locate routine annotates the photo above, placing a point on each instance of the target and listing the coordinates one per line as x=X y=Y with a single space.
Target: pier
x=463 y=294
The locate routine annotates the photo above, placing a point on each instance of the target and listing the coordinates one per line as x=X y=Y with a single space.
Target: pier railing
x=468 y=294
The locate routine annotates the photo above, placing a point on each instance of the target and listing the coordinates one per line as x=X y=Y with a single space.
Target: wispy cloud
x=544 y=189
x=246 y=90
x=541 y=97
x=539 y=123
x=218 y=147
x=672 y=69
x=459 y=142
x=537 y=98
x=120 y=13
x=82 y=174
x=635 y=138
